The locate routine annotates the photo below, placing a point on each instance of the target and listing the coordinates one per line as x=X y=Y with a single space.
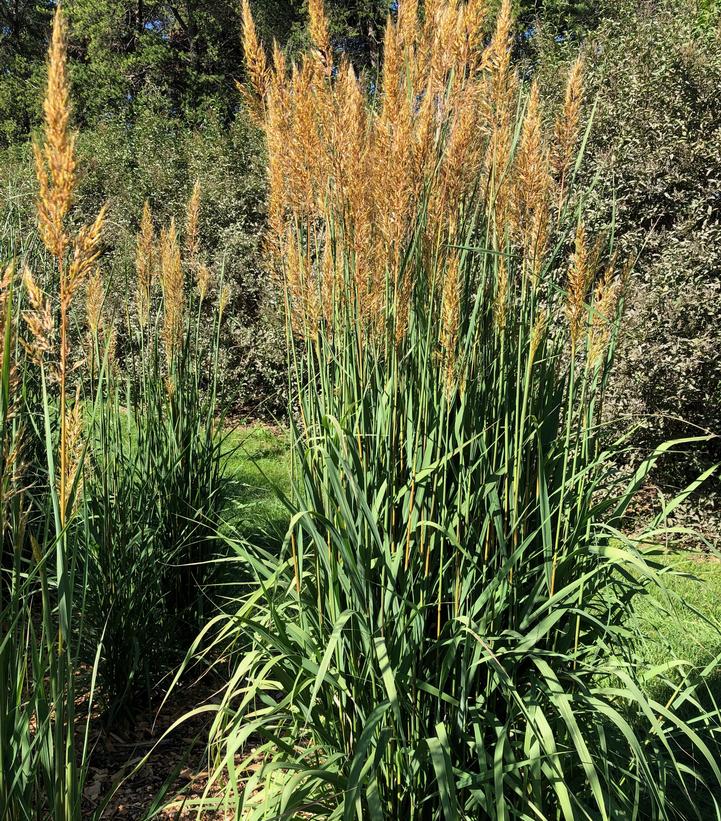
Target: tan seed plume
x=255 y=62
x=94 y=303
x=39 y=319
x=578 y=280
x=568 y=125
x=202 y=280
x=605 y=303
x=86 y=251
x=55 y=160
x=319 y=32
x=531 y=187
x=171 y=271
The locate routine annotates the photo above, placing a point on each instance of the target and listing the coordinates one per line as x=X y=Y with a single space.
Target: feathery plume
x=255 y=61
x=223 y=299
x=450 y=318
x=567 y=125
x=70 y=482
x=202 y=280
x=86 y=252
x=39 y=319
x=171 y=271
x=94 y=303
x=500 y=312
x=605 y=303
x=531 y=185
x=501 y=107
x=55 y=160
x=407 y=23
x=538 y=334
x=475 y=14
x=319 y=33
x=578 y=279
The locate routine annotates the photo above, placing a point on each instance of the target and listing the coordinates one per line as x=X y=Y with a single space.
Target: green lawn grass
x=258 y=465
x=685 y=626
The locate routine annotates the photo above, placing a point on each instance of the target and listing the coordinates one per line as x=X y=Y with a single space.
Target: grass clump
x=444 y=634
x=155 y=485
x=111 y=476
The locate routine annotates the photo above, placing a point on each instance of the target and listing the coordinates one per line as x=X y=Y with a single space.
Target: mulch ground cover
x=173 y=765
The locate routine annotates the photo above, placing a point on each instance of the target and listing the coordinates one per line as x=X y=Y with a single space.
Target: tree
x=24 y=25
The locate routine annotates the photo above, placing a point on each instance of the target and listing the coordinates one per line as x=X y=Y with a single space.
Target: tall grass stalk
x=44 y=739
x=110 y=482
x=444 y=634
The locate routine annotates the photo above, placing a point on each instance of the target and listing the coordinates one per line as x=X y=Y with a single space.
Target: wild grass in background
x=445 y=632
x=154 y=489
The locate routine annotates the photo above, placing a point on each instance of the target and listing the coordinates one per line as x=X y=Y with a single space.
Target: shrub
x=654 y=154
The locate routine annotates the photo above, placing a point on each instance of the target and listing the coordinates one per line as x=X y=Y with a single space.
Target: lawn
x=258 y=464
x=687 y=624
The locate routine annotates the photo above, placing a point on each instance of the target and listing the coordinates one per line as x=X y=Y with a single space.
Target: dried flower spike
x=171 y=271
x=568 y=125
x=55 y=160
x=255 y=61
x=39 y=319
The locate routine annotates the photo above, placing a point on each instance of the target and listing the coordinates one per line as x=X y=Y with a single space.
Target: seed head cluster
x=350 y=160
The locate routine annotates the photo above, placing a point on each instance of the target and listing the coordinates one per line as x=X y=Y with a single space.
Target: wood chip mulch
x=178 y=757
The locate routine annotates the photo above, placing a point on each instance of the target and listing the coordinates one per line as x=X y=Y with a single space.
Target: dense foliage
x=656 y=155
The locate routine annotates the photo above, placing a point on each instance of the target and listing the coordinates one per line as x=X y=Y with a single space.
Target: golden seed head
x=407 y=23
x=171 y=271
x=73 y=431
x=145 y=264
x=568 y=122
x=531 y=186
x=578 y=280
x=500 y=311
x=605 y=304
x=203 y=278
x=476 y=13
x=319 y=33
x=86 y=251
x=55 y=160
x=94 y=302
x=39 y=319
x=5 y=284
x=538 y=334
x=192 y=223
x=255 y=60
x=223 y=299
x=450 y=308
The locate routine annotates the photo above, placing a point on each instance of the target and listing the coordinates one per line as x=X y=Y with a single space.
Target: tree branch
x=178 y=18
